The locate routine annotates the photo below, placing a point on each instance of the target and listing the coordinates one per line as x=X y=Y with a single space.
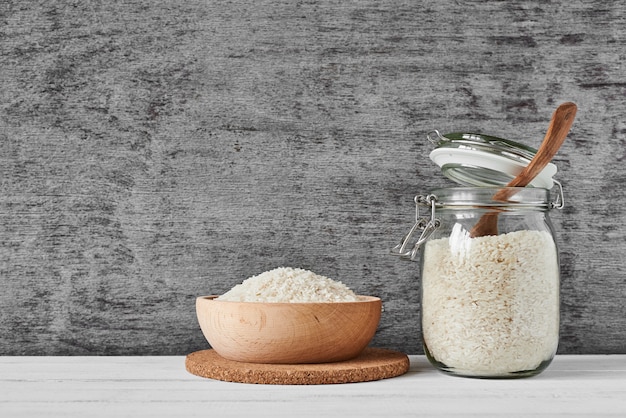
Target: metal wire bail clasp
x=428 y=226
x=435 y=137
x=559 y=202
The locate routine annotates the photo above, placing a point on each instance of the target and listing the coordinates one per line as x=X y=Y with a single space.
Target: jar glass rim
x=476 y=197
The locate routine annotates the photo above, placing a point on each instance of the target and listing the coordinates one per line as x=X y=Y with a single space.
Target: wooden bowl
x=288 y=333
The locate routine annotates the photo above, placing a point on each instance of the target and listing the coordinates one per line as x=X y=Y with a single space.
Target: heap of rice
x=490 y=305
x=286 y=284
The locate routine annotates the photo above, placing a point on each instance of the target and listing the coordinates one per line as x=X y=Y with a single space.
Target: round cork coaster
x=371 y=364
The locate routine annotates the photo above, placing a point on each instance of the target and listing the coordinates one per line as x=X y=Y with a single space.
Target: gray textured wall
x=153 y=151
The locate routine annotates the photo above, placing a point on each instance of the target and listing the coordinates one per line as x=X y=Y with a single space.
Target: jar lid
x=480 y=160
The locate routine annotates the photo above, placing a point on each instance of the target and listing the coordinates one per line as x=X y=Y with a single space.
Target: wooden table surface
x=159 y=386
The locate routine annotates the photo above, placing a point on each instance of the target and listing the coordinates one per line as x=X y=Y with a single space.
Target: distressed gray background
x=154 y=151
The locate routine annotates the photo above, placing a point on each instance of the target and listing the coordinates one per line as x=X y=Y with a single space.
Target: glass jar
x=490 y=295
x=490 y=304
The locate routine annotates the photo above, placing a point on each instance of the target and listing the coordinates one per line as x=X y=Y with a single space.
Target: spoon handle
x=562 y=120
x=560 y=124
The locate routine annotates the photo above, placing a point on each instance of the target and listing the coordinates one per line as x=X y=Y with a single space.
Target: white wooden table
x=586 y=386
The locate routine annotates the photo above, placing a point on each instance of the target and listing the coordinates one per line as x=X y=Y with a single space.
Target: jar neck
x=512 y=198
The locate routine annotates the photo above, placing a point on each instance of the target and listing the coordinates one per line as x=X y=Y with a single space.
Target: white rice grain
x=293 y=285
x=491 y=304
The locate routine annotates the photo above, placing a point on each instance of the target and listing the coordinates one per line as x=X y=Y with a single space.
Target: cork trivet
x=371 y=364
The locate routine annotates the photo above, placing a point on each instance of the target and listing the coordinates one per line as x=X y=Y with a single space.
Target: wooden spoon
x=561 y=122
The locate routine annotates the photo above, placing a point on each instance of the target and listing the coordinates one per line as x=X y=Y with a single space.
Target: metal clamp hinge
x=559 y=202
x=428 y=227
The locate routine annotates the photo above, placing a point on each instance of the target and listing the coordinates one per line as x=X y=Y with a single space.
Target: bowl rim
x=361 y=299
